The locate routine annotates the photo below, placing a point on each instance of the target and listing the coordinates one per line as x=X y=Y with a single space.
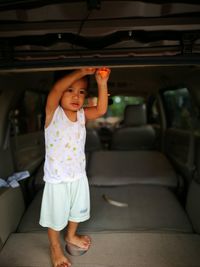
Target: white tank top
x=65 y=148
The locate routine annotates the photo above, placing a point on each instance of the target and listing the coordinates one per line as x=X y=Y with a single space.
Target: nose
x=76 y=95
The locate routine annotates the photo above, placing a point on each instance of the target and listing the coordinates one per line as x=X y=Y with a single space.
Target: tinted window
x=154 y=114
x=180 y=109
x=115 y=111
x=119 y=104
x=28 y=116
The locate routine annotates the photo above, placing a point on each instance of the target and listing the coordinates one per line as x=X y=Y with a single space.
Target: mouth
x=75 y=105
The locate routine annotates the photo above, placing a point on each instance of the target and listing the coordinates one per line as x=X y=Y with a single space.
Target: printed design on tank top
x=65 y=147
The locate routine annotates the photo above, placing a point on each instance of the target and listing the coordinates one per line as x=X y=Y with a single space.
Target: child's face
x=73 y=98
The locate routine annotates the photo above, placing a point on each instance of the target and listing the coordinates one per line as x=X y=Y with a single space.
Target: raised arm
x=100 y=109
x=58 y=89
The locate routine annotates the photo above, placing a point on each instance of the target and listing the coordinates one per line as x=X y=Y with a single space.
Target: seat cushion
x=108 y=250
x=192 y=205
x=12 y=207
x=108 y=168
x=150 y=208
x=30 y=220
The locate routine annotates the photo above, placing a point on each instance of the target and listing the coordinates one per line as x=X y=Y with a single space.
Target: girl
x=66 y=192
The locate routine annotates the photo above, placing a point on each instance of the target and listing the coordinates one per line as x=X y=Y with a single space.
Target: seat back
x=193 y=197
x=12 y=204
x=7 y=165
x=135 y=133
x=12 y=207
x=93 y=142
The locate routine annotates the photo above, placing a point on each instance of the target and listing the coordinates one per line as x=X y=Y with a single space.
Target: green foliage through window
x=119 y=104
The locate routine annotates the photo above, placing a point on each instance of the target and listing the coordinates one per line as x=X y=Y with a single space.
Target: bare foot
x=58 y=258
x=81 y=241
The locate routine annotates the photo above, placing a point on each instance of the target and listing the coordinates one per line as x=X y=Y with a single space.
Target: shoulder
x=81 y=115
x=52 y=116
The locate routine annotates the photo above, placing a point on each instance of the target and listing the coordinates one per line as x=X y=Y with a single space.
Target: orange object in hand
x=103 y=73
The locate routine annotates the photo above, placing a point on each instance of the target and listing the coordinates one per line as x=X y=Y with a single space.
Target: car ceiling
x=50 y=34
x=142 y=81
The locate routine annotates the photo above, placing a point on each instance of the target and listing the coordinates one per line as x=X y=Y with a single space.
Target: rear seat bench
x=29 y=247
x=142 y=179
x=150 y=208
x=12 y=207
x=152 y=215
x=114 y=168
x=108 y=250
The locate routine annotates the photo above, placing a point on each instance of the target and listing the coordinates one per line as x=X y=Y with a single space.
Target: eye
x=82 y=92
x=70 y=90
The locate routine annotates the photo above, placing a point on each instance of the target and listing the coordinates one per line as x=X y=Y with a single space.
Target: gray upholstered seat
x=193 y=196
x=135 y=133
x=93 y=142
x=116 y=168
x=108 y=249
x=150 y=208
x=7 y=164
x=12 y=204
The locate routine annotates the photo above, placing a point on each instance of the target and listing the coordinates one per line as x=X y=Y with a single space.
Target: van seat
x=108 y=249
x=135 y=133
x=114 y=168
x=7 y=164
x=12 y=207
x=93 y=142
x=150 y=208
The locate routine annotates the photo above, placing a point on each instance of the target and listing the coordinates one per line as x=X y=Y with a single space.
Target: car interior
x=142 y=156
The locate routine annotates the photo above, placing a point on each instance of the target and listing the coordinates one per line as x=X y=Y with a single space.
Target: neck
x=72 y=115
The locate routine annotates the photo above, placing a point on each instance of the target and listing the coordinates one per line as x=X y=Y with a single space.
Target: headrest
x=93 y=142
x=135 y=115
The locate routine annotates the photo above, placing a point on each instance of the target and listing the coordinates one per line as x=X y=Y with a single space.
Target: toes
x=88 y=240
x=85 y=245
x=64 y=264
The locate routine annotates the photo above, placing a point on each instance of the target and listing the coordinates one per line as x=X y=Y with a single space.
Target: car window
x=180 y=109
x=154 y=114
x=115 y=111
x=28 y=116
x=119 y=104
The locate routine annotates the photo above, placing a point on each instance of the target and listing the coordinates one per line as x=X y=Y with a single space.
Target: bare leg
x=81 y=241
x=57 y=255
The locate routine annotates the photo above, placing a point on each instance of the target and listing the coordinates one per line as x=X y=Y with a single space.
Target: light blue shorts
x=65 y=202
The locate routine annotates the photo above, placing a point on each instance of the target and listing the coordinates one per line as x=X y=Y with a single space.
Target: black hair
x=61 y=73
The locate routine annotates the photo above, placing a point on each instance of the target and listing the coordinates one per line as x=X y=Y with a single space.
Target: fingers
x=102 y=74
x=89 y=71
x=64 y=264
